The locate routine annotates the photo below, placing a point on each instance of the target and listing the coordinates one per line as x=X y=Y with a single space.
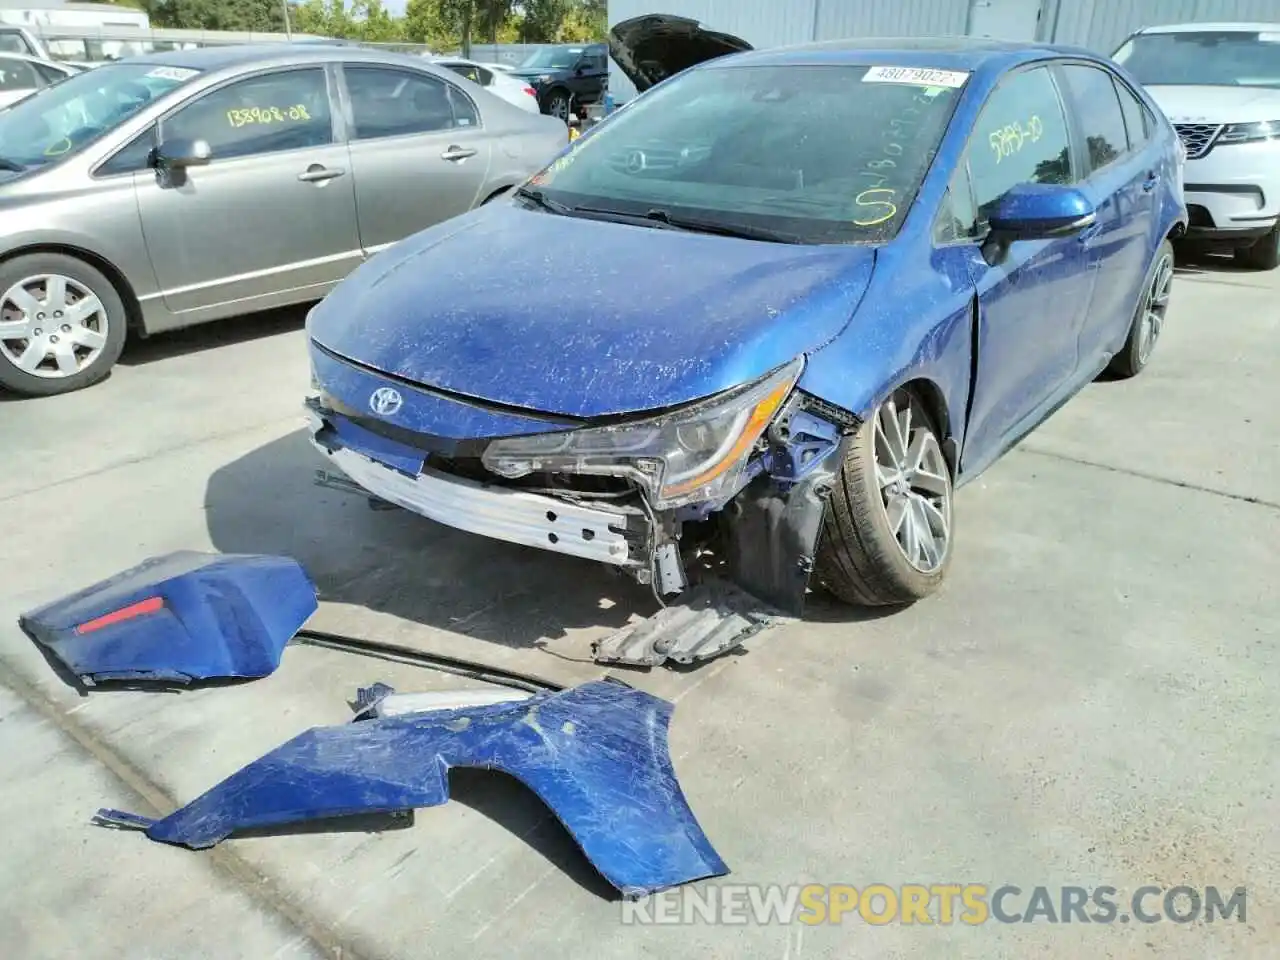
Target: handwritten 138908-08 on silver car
x=174 y=189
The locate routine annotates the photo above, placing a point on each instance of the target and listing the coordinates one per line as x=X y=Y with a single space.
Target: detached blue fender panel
x=181 y=617
x=596 y=755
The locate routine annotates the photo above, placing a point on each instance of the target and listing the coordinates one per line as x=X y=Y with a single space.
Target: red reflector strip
x=139 y=609
x=530 y=91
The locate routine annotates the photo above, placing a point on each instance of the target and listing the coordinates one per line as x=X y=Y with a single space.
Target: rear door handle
x=319 y=174
x=457 y=153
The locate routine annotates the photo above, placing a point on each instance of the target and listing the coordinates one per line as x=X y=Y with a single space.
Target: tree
x=255 y=15
x=544 y=19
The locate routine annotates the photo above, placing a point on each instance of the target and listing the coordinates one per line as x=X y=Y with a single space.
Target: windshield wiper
x=542 y=201
x=694 y=225
x=11 y=165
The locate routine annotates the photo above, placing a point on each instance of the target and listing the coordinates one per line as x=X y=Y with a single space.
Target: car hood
x=651 y=48
x=1217 y=104
x=586 y=318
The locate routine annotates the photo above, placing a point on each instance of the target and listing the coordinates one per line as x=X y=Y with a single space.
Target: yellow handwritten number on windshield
x=58 y=147
x=262 y=115
x=885 y=207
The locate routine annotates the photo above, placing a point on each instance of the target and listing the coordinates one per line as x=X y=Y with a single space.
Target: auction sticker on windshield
x=917 y=76
x=172 y=73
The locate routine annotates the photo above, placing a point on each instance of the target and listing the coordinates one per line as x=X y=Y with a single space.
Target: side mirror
x=1040 y=211
x=182 y=153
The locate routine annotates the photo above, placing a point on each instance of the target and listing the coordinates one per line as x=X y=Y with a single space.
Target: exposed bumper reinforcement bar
x=530 y=519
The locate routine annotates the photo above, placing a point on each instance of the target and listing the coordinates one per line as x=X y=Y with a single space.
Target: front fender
x=914 y=323
x=596 y=755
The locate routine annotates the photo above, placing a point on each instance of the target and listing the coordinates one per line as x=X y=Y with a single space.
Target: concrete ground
x=1092 y=699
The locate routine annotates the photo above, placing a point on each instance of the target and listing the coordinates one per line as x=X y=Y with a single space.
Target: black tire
x=860 y=560
x=13 y=272
x=1264 y=254
x=1136 y=352
x=558 y=98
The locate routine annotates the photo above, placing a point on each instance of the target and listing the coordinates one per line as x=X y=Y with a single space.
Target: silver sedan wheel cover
x=51 y=326
x=915 y=484
x=1155 y=305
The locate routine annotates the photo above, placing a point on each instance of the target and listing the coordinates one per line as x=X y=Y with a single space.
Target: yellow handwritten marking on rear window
x=263 y=115
x=879 y=204
x=58 y=147
x=1012 y=137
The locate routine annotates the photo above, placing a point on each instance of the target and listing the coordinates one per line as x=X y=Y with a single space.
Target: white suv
x=1219 y=83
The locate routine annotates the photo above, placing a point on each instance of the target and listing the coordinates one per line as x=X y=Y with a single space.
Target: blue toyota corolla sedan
x=764 y=320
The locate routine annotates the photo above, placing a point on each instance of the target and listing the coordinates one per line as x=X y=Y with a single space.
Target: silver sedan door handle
x=457 y=153
x=319 y=174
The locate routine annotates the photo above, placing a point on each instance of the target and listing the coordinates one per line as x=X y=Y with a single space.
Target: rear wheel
x=1148 y=319
x=1263 y=254
x=886 y=536
x=62 y=324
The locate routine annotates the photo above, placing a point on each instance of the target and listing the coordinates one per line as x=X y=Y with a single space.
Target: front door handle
x=1149 y=184
x=458 y=153
x=318 y=174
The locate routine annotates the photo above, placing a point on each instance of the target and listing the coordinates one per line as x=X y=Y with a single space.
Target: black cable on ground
x=397 y=653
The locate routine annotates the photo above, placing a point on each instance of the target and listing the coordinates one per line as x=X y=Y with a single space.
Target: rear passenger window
x=1020 y=137
x=1098 y=107
x=393 y=103
x=1137 y=119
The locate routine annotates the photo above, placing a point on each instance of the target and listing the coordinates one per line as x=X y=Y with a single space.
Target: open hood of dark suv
x=651 y=48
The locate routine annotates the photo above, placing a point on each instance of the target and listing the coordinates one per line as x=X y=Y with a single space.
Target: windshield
x=823 y=154
x=553 y=58
x=74 y=113
x=1209 y=58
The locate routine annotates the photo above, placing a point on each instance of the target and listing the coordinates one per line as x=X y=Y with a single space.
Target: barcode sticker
x=917 y=76
x=172 y=73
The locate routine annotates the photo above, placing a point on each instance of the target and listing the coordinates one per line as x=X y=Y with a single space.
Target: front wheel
x=886 y=537
x=62 y=324
x=558 y=104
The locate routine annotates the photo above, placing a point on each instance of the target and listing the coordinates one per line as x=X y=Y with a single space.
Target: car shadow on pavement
x=207 y=336
x=1193 y=263
x=395 y=562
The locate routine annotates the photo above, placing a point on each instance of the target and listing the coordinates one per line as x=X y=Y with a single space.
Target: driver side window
x=1020 y=137
x=269 y=113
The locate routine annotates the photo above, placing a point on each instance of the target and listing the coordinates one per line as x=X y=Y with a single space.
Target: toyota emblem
x=385 y=401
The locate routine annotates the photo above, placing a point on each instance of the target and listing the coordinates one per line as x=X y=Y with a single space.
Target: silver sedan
x=174 y=189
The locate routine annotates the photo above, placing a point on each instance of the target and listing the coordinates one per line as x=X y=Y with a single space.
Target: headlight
x=693 y=455
x=543 y=78
x=1251 y=132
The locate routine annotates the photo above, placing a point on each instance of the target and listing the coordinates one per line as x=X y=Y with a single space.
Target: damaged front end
x=717 y=505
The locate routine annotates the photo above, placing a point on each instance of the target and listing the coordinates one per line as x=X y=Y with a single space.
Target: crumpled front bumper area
x=398 y=474
x=596 y=755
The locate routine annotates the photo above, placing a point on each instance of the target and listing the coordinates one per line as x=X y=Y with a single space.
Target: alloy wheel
x=51 y=326
x=1155 y=305
x=558 y=106
x=914 y=482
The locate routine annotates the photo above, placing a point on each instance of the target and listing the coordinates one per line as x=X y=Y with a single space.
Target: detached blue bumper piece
x=596 y=755
x=178 y=618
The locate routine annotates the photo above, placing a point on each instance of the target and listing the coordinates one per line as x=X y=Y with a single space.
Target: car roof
x=1213 y=28
x=944 y=53
x=251 y=54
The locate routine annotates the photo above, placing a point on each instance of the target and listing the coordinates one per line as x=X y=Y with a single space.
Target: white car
x=21 y=75
x=1219 y=83
x=496 y=82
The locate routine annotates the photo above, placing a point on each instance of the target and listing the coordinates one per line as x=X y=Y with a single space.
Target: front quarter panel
x=62 y=208
x=913 y=324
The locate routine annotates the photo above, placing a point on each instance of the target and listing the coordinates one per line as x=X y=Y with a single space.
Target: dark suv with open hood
x=566 y=75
